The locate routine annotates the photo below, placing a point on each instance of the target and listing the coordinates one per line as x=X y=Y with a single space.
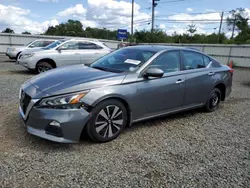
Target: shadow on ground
x=22 y=72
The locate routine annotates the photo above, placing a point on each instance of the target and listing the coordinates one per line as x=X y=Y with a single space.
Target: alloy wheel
x=214 y=99
x=41 y=69
x=109 y=121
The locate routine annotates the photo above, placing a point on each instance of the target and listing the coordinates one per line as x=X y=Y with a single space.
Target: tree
x=191 y=29
x=8 y=30
x=238 y=20
x=26 y=32
x=70 y=28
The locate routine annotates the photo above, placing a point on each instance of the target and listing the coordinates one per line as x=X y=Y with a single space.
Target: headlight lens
x=13 y=49
x=64 y=102
x=27 y=55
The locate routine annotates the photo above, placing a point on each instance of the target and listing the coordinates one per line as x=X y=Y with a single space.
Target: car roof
x=45 y=40
x=158 y=48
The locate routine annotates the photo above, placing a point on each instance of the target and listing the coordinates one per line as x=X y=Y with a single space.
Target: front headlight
x=27 y=55
x=13 y=49
x=64 y=102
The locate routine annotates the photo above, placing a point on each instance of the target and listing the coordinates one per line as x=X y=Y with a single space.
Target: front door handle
x=179 y=81
x=77 y=54
x=211 y=74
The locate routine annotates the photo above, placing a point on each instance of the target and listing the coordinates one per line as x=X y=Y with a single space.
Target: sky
x=171 y=16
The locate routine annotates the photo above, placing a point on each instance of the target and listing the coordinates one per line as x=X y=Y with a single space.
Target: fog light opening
x=55 y=123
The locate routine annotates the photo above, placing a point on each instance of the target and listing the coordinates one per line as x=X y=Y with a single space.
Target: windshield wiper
x=107 y=69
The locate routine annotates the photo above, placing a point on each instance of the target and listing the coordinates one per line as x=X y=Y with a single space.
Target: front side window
x=168 y=62
x=123 y=60
x=36 y=44
x=192 y=60
x=71 y=45
x=53 y=45
x=88 y=46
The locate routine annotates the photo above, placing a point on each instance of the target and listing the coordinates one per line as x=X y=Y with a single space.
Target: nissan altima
x=126 y=86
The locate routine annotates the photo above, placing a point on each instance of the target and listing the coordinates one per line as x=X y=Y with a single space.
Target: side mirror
x=60 y=48
x=154 y=72
x=32 y=46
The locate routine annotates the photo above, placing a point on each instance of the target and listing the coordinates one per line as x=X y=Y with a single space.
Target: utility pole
x=222 y=14
x=154 y=4
x=233 y=27
x=132 y=19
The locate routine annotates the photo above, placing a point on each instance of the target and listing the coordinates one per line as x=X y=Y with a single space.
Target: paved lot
x=191 y=149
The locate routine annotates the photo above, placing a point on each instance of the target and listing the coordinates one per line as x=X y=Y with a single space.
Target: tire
x=16 y=58
x=43 y=67
x=213 y=100
x=108 y=120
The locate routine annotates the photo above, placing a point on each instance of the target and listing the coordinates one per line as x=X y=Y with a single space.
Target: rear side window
x=216 y=64
x=46 y=43
x=88 y=45
x=206 y=60
x=192 y=60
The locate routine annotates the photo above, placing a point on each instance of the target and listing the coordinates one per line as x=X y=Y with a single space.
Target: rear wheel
x=213 y=100
x=43 y=67
x=108 y=120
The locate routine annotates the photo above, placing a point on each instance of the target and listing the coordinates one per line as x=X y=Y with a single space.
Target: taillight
x=231 y=70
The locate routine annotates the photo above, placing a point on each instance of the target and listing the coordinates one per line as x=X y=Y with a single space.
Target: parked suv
x=70 y=52
x=32 y=50
x=14 y=51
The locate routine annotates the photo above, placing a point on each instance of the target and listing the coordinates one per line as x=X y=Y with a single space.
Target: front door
x=166 y=93
x=68 y=54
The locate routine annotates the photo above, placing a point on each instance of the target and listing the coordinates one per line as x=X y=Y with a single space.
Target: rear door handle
x=179 y=81
x=211 y=74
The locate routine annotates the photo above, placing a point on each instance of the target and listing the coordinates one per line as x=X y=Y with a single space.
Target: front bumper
x=27 y=63
x=72 y=122
x=11 y=54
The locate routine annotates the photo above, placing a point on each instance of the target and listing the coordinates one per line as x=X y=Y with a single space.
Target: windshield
x=28 y=43
x=52 y=45
x=123 y=60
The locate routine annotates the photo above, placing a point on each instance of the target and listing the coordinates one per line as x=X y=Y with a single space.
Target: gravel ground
x=191 y=149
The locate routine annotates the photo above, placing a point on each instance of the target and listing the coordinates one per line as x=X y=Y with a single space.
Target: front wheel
x=108 y=120
x=43 y=67
x=213 y=100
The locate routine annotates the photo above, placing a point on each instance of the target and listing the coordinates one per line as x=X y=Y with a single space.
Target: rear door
x=199 y=79
x=68 y=54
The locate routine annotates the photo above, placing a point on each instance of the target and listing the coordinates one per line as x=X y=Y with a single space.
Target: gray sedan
x=126 y=86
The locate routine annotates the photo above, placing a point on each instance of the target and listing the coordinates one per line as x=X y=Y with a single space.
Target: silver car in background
x=126 y=86
x=14 y=51
x=71 y=52
x=48 y=47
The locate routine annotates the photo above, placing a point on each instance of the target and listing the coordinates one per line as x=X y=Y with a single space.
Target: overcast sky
x=36 y=15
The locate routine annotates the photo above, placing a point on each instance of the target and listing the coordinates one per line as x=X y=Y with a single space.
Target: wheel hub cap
x=109 y=121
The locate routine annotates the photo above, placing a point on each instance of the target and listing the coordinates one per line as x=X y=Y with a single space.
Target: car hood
x=17 y=47
x=74 y=78
x=32 y=50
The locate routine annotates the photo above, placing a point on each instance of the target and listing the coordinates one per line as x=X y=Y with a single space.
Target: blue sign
x=122 y=34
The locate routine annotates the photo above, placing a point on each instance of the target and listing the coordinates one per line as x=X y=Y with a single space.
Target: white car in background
x=14 y=51
x=71 y=52
x=50 y=46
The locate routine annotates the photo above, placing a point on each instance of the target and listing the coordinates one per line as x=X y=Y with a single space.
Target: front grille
x=24 y=101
